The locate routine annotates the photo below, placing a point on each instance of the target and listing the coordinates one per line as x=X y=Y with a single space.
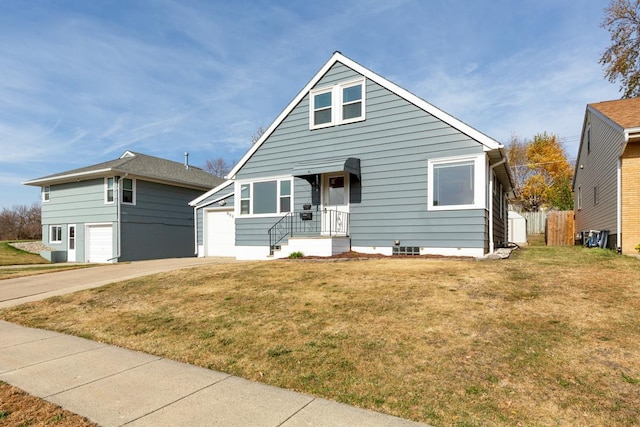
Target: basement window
x=406 y=250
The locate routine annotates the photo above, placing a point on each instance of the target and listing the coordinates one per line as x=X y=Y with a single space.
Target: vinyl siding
x=78 y=203
x=160 y=224
x=394 y=144
x=599 y=169
x=229 y=203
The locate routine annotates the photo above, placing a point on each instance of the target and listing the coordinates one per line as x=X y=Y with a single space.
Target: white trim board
x=486 y=141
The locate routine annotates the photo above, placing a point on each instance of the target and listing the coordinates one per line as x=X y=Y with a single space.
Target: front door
x=335 y=202
x=71 y=244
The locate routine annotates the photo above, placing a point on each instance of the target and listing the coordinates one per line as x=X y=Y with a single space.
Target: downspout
x=491 y=168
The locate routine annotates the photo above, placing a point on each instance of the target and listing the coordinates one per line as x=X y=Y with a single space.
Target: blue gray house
x=356 y=162
x=132 y=208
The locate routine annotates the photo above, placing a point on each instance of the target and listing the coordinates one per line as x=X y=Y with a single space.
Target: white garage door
x=220 y=233
x=100 y=243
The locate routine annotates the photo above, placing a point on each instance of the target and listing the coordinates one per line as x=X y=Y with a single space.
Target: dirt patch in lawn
x=18 y=408
x=547 y=337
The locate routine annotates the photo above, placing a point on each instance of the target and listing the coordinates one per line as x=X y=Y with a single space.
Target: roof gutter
x=63 y=178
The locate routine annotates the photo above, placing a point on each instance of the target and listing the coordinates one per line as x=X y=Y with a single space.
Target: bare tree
x=20 y=222
x=256 y=136
x=218 y=167
x=622 y=59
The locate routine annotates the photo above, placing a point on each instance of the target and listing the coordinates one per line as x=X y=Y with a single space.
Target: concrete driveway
x=33 y=288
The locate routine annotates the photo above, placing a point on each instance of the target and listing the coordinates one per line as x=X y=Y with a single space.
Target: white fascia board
x=631 y=133
x=225 y=184
x=606 y=119
x=486 y=141
x=284 y=114
x=489 y=143
x=584 y=129
x=204 y=205
x=63 y=178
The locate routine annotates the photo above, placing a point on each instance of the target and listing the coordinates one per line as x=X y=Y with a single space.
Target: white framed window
x=338 y=104
x=322 y=108
x=109 y=185
x=46 y=193
x=266 y=197
x=55 y=234
x=128 y=191
x=456 y=183
x=352 y=102
x=245 y=199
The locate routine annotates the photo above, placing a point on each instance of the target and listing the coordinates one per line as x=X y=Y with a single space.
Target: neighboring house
x=355 y=162
x=606 y=182
x=131 y=208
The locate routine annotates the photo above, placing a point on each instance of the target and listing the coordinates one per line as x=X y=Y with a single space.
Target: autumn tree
x=621 y=60
x=542 y=174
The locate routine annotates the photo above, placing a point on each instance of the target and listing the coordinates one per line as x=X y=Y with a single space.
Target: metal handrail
x=327 y=222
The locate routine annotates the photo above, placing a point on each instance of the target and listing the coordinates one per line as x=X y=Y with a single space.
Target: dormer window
x=336 y=105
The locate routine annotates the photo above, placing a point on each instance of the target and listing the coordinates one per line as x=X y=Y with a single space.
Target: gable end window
x=55 y=234
x=456 y=183
x=46 y=193
x=337 y=105
x=266 y=197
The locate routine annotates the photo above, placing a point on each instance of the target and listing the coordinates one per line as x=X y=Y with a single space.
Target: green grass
x=13 y=256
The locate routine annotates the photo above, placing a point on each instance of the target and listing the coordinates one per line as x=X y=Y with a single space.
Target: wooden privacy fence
x=560 y=229
x=536 y=222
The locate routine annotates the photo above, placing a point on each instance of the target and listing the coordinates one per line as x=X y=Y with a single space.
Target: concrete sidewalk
x=113 y=387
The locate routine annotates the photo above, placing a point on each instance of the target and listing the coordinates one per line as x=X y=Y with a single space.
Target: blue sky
x=83 y=81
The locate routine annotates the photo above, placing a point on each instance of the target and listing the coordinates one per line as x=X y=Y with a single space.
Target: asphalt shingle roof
x=625 y=112
x=143 y=166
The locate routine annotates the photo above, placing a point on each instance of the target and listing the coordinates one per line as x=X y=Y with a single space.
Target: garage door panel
x=100 y=243
x=220 y=233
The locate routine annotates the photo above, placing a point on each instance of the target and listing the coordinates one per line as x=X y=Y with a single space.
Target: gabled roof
x=489 y=143
x=222 y=186
x=624 y=112
x=139 y=166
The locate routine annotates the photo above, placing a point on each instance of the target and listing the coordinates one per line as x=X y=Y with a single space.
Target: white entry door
x=335 y=202
x=71 y=243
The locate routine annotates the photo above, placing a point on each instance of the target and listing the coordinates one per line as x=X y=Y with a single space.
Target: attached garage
x=220 y=233
x=100 y=243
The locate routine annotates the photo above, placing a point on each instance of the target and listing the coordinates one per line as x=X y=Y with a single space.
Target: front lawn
x=13 y=256
x=548 y=337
